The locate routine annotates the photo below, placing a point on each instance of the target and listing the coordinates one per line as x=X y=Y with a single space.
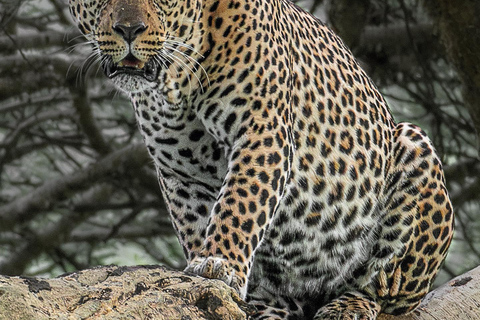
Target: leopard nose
x=130 y=33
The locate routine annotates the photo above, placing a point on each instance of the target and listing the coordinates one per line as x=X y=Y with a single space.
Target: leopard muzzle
x=131 y=66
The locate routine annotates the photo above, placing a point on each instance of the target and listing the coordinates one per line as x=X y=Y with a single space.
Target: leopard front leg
x=252 y=189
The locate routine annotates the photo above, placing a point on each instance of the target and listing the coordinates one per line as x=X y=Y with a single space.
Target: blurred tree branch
x=458 y=25
x=155 y=292
x=37 y=40
x=127 y=161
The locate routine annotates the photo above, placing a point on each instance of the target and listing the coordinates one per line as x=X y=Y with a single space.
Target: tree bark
x=348 y=19
x=148 y=292
x=458 y=24
x=153 y=292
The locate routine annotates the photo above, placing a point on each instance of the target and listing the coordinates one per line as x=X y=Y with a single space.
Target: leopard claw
x=218 y=268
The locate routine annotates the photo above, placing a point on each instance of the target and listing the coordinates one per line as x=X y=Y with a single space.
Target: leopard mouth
x=132 y=66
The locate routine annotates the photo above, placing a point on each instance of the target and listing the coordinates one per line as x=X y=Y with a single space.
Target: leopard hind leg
x=414 y=232
x=418 y=226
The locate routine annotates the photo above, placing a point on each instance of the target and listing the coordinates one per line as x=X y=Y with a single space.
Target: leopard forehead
x=90 y=14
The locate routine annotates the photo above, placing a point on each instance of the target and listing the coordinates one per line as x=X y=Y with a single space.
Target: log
x=145 y=292
x=155 y=292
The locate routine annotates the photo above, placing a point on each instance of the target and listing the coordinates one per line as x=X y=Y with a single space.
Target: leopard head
x=137 y=39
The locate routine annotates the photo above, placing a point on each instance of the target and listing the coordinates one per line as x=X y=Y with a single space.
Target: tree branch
x=128 y=232
x=51 y=235
x=155 y=292
x=82 y=104
x=119 y=293
x=37 y=40
x=457 y=23
x=46 y=196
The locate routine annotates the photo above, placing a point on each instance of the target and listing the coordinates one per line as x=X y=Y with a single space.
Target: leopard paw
x=218 y=268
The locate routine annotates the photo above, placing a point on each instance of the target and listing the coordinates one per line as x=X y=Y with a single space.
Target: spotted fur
x=280 y=163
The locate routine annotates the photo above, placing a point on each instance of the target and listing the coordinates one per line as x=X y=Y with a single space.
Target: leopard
x=280 y=163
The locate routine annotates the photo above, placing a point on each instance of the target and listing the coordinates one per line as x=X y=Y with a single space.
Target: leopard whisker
x=86 y=42
x=161 y=60
x=166 y=55
x=85 y=66
x=195 y=63
x=75 y=46
x=182 y=65
x=176 y=40
x=190 y=58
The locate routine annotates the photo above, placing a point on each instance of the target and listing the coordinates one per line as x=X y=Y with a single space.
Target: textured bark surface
x=119 y=293
x=348 y=19
x=153 y=292
x=458 y=25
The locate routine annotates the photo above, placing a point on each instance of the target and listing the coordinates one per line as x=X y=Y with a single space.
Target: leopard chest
x=182 y=149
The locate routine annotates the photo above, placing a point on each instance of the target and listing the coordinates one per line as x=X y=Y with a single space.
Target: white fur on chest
x=179 y=143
